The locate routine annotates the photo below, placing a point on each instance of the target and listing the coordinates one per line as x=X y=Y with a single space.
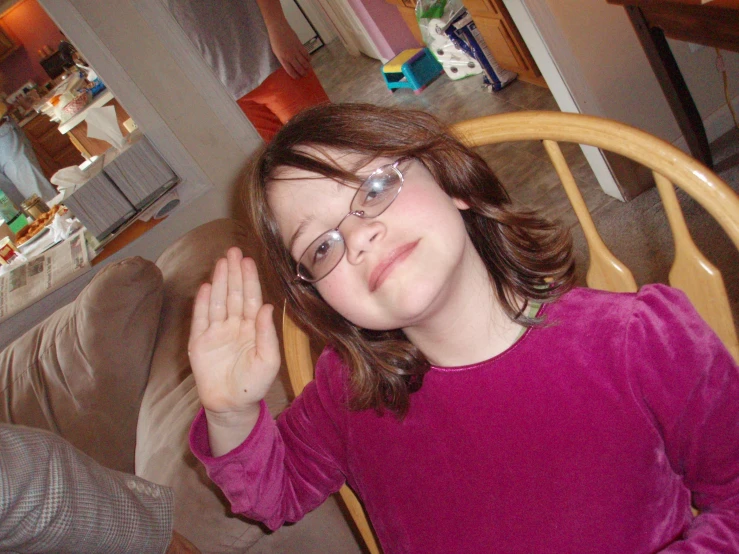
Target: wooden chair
x=300 y=368
x=690 y=272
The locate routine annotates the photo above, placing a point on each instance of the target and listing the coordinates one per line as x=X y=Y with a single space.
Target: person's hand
x=180 y=545
x=289 y=50
x=233 y=348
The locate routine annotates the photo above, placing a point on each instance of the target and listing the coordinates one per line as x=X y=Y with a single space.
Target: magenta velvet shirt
x=589 y=434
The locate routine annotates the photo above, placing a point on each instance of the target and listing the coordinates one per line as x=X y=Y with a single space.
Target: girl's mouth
x=384 y=268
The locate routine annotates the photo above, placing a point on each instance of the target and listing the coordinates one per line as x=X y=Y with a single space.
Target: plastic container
x=7 y=209
x=15 y=218
x=18 y=222
x=34 y=206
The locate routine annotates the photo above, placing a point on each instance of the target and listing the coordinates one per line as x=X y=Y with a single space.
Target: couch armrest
x=170 y=403
x=82 y=372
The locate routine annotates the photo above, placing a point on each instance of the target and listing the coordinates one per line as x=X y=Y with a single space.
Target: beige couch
x=110 y=373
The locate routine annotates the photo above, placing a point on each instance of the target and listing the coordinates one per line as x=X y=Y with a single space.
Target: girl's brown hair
x=528 y=258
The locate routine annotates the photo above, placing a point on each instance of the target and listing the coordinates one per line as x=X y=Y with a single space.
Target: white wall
x=141 y=60
x=706 y=84
x=612 y=62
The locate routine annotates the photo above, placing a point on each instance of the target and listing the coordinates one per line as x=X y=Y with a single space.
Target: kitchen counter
x=100 y=100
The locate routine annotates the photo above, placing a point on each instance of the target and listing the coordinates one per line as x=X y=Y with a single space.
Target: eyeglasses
x=373 y=197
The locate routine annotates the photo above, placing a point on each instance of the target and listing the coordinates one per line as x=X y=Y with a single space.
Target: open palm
x=233 y=345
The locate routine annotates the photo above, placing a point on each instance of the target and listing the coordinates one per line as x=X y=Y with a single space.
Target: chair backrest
x=299 y=363
x=690 y=272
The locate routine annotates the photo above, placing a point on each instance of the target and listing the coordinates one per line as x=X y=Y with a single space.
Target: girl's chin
x=407 y=310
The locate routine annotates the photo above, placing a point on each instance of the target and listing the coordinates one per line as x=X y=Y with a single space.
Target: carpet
x=637 y=232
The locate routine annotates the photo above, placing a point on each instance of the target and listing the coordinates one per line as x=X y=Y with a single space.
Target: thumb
x=268 y=347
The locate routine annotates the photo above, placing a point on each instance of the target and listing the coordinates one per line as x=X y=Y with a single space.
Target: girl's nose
x=360 y=236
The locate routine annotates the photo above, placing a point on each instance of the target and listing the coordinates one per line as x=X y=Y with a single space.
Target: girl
x=471 y=399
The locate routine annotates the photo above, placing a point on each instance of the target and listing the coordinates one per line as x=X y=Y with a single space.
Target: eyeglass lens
x=372 y=198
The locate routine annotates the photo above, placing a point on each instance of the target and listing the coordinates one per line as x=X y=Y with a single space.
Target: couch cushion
x=82 y=372
x=170 y=403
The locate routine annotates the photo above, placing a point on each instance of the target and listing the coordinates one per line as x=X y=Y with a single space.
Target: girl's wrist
x=227 y=430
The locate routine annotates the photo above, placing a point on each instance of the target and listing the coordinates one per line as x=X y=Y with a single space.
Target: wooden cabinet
x=8 y=43
x=407 y=9
x=503 y=39
x=497 y=29
x=53 y=149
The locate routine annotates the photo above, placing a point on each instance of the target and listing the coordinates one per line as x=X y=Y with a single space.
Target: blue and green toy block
x=413 y=69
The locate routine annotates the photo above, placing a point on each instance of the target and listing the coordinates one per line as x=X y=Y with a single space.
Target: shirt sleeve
x=55 y=499
x=689 y=383
x=284 y=468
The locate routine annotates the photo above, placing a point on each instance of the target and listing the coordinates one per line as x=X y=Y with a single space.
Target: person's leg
x=7 y=142
x=21 y=165
x=283 y=97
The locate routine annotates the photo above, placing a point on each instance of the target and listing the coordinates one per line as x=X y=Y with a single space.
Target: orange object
x=278 y=99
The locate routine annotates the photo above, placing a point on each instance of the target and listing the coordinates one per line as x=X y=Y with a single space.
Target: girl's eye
x=377 y=188
x=322 y=252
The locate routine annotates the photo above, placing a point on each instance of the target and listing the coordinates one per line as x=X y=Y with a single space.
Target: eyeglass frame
x=356 y=213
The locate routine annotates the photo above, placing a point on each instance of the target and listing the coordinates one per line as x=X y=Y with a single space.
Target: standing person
x=20 y=173
x=471 y=397
x=55 y=499
x=256 y=55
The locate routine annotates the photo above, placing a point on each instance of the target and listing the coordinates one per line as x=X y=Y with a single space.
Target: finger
x=252 y=289
x=268 y=346
x=235 y=295
x=301 y=62
x=219 y=288
x=289 y=69
x=304 y=57
x=300 y=69
x=200 y=322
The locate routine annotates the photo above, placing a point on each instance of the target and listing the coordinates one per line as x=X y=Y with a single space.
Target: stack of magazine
x=140 y=173
x=124 y=184
x=100 y=206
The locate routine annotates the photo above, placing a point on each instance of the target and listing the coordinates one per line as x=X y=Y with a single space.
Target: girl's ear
x=460 y=204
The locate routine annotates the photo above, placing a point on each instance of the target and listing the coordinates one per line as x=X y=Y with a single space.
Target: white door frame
x=189 y=60
x=194 y=182
x=542 y=36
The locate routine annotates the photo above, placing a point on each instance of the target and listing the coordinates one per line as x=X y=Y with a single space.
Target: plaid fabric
x=54 y=498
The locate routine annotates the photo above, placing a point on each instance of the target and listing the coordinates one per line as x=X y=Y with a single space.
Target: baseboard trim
x=717 y=124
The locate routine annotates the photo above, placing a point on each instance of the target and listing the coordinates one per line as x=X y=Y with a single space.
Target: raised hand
x=233 y=348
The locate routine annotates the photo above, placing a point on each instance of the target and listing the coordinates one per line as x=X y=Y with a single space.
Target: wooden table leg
x=673 y=85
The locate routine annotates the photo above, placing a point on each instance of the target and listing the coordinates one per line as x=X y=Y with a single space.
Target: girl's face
x=400 y=268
